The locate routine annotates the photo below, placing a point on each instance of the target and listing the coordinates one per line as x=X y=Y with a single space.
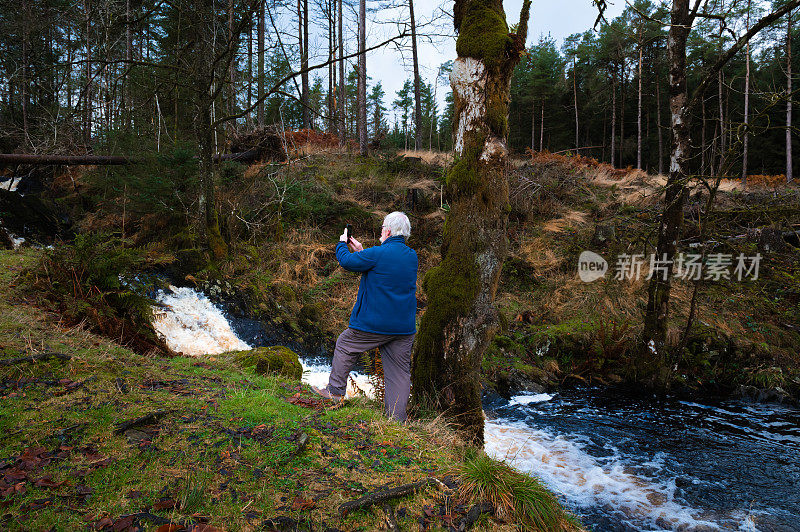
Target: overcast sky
x=559 y=18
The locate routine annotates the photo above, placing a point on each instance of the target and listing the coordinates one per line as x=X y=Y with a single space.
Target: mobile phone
x=348 y=231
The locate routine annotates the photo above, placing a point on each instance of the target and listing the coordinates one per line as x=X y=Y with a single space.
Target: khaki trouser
x=396 y=358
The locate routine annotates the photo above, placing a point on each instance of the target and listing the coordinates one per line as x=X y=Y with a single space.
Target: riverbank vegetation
x=281 y=223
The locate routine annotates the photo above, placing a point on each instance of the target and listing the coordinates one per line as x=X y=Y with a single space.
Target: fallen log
x=377 y=497
x=33 y=358
x=391 y=520
x=75 y=386
x=10 y=159
x=7 y=159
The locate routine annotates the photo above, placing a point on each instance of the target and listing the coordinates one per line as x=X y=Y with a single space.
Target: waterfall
x=192 y=325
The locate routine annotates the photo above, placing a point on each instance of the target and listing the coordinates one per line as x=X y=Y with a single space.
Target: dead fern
x=374 y=367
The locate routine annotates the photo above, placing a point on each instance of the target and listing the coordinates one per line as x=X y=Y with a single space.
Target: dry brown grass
x=437 y=158
x=540 y=253
x=301 y=258
x=572 y=219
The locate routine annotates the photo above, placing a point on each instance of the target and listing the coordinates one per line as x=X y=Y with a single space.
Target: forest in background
x=231 y=137
x=82 y=77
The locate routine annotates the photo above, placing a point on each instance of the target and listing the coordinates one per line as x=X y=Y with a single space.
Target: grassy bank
x=222 y=448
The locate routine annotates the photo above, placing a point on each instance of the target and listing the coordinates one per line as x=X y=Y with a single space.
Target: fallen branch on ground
x=474 y=514
x=74 y=386
x=391 y=520
x=149 y=418
x=377 y=497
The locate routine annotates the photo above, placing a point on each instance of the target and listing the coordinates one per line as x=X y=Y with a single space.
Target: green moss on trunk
x=483 y=33
x=462 y=178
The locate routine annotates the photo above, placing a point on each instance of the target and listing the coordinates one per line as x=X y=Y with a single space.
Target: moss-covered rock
x=276 y=359
x=310 y=314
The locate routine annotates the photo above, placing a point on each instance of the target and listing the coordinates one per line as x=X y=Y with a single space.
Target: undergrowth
x=99 y=279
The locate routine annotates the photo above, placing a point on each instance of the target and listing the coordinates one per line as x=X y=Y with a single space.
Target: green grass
x=516 y=496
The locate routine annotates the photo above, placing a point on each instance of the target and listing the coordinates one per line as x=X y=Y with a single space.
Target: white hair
x=398 y=223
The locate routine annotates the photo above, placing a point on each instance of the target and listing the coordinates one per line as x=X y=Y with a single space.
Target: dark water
x=626 y=462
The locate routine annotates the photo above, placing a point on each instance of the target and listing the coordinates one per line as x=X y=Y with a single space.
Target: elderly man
x=384 y=313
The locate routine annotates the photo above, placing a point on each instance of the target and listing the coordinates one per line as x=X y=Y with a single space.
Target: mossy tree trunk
x=205 y=139
x=656 y=315
x=461 y=319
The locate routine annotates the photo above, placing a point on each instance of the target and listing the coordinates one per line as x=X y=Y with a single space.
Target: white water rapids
x=192 y=325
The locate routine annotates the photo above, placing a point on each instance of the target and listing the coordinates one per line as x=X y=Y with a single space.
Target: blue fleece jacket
x=386 y=302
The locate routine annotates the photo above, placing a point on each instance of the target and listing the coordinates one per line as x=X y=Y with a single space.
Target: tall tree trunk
x=232 y=68
x=205 y=79
x=703 y=138
x=657 y=313
x=126 y=91
x=304 y=67
x=331 y=66
x=541 y=130
x=746 y=103
x=417 y=91
x=622 y=112
x=176 y=99
x=87 y=99
x=729 y=129
x=659 y=129
x=25 y=82
x=262 y=22
x=722 y=131
x=533 y=125
x=342 y=91
x=68 y=67
x=461 y=318
x=613 y=115
x=249 y=71
x=575 y=101
x=434 y=115
x=362 y=78
x=789 y=175
x=376 y=120
x=639 y=116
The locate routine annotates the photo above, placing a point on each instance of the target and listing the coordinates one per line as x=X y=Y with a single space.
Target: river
x=621 y=462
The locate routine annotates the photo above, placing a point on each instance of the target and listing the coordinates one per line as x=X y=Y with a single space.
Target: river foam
x=529 y=399
x=12 y=184
x=192 y=325
x=317 y=375
x=585 y=481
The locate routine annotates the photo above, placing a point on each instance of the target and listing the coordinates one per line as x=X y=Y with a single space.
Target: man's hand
x=355 y=245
